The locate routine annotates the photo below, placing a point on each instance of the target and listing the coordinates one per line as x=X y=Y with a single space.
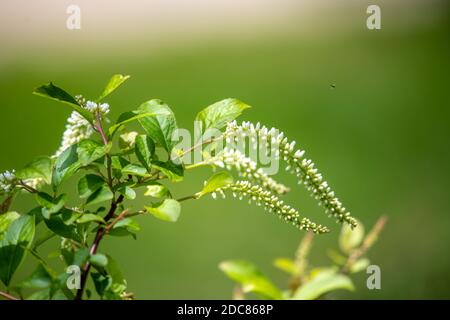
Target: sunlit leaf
x=53 y=92
x=13 y=247
x=115 y=81
x=168 y=210
x=251 y=279
x=323 y=282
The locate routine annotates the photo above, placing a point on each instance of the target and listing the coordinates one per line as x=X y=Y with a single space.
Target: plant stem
x=99 y=128
x=368 y=241
x=98 y=237
x=191 y=197
x=210 y=140
x=7 y=296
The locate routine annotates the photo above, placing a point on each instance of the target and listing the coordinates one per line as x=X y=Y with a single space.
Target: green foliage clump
x=113 y=163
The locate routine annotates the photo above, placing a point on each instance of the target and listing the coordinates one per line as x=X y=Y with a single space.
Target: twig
x=30 y=189
x=7 y=296
x=368 y=241
x=98 y=237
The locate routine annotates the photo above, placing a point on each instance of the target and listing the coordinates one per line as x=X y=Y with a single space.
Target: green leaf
x=131 y=116
x=49 y=204
x=89 y=184
x=160 y=128
x=14 y=245
x=350 y=239
x=217 y=115
x=60 y=226
x=325 y=281
x=99 y=260
x=90 y=217
x=39 y=279
x=112 y=85
x=101 y=282
x=216 y=181
x=6 y=219
x=66 y=165
x=156 y=190
x=359 y=265
x=135 y=170
x=145 y=148
x=41 y=167
x=125 y=227
x=251 y=279
x=173 y=171
x=100 y=195
x=77 y=258
x=127 y=140
x=89 y=151
x=128 y=192
x=168 y=210
x=287 y=265
x=53 y=92
x=336 y=257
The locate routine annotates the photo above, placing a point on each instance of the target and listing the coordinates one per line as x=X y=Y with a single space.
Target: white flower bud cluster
x=77 y=127
x=303 y=168
x=246 y=168
x=102 y=108
x=270 y=203
x=7 y=181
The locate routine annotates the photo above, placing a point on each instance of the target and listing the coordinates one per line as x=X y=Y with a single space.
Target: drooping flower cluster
x=7 y=181
x=271 y=203
x=77 y=127
x=247 y=168
x=297 y=164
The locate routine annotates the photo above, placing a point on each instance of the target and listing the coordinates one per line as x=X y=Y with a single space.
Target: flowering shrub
x=116 y=163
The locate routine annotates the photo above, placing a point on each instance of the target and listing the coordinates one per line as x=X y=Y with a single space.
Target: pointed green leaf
x=89 y=151
x=100 y=195
x=89 y=184
x=125 y=227
x=135 y=170
x=350 y=239
x=58 y=225
x=144 y=148
x=53 y=92
x=128 y=192
x=14 y=245
x=251 y=279
x=49 y=204
x=162 y=127
x=41 y=167
x=90 y=217
x=115 y=82
x=216 y=181
x=287 y=265
x=66 y=165
x=6 y=219
x=156 y=190
x=324 y=282
x=173 y=171
x=217 y=115
x=99 y=260
x=131 y=116
x=168 y=210
x=39 y=279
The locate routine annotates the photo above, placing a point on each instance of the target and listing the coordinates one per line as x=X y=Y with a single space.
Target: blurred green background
x=380 y=136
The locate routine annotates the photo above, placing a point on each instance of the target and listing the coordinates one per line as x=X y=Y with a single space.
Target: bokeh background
x=370 y=107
